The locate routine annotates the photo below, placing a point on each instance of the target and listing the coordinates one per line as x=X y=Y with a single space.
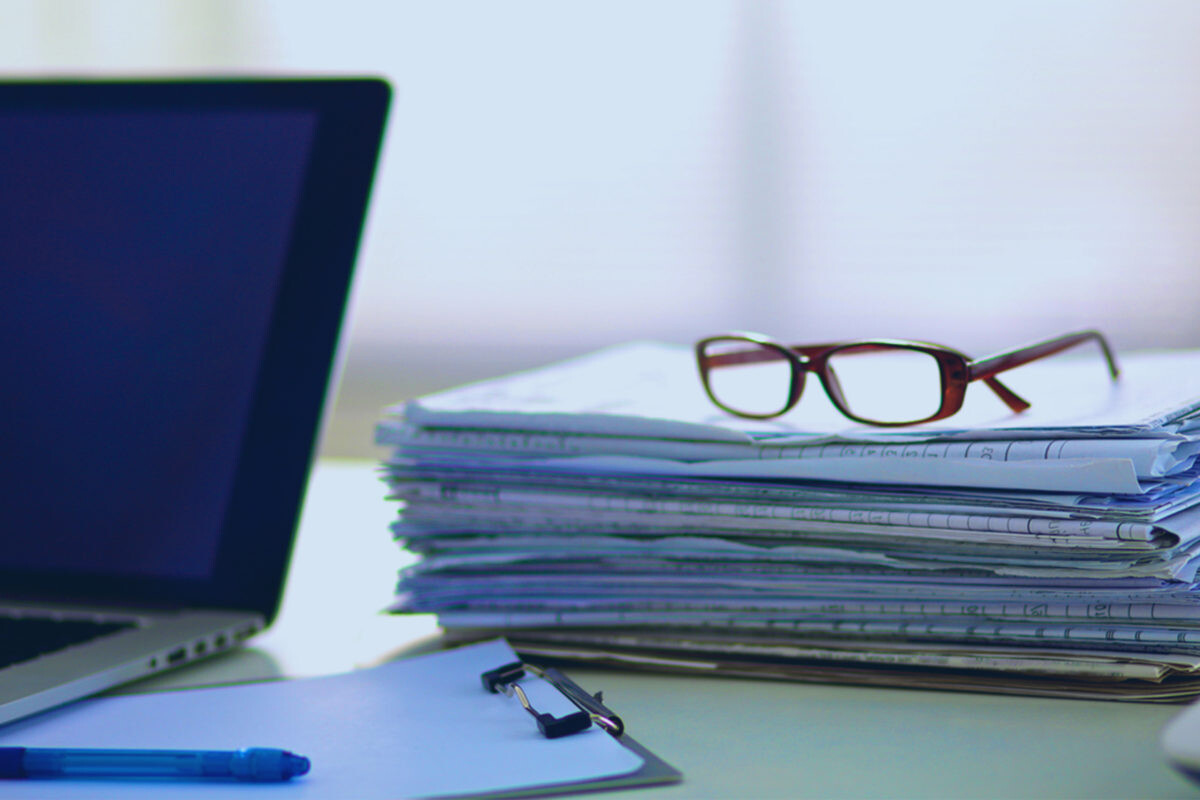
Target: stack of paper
x=603 y=508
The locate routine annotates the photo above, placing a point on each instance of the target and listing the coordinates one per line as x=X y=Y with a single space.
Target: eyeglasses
x=885 y=382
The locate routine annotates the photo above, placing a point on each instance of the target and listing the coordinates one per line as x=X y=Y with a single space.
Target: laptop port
x=175 y=656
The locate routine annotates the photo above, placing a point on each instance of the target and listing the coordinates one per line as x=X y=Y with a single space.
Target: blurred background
x=559 y=176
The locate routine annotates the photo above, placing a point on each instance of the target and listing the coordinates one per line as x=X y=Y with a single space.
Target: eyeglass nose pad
x=833 y=386
x=798 y=373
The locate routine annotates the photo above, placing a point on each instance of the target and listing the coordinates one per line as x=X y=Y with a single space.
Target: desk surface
x=729 y=737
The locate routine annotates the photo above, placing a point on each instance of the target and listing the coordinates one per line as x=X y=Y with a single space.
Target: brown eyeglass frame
x=956 y=368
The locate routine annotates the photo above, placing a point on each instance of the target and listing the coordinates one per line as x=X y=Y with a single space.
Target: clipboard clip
x=504 y=680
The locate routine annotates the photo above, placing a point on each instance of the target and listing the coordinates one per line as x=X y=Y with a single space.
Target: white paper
x=653 y=389
x=610 y=491
x=590 y=475
x=1023 y=632
x=423 y=524
x=413 y=728
x=644 y=401
x=1103 y=476
x=425 y=500
x=1149 y=457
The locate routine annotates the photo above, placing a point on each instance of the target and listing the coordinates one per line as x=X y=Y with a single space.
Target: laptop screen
x=173 y=266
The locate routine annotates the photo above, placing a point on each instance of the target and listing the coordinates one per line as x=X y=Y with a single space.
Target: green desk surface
x=729 y=737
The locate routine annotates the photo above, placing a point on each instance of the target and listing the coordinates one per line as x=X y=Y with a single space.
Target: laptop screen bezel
x=294 y=373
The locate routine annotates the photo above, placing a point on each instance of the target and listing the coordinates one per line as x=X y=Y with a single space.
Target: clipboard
x=418 y=727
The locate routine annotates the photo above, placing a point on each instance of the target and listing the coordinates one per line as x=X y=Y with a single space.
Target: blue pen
x=262 y=764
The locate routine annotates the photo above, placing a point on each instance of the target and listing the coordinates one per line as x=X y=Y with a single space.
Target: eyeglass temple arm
x=985 y=369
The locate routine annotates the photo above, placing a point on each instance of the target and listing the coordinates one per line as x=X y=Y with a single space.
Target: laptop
x=175 y=258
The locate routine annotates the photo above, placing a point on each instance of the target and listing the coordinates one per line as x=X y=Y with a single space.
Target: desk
x=730 y=737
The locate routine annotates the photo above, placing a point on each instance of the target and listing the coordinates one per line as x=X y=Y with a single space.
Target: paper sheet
x=608 y=496
x=1153 y=457
x=653 y=389
x=413 y=728
x=426 y=502
x=1163 y=498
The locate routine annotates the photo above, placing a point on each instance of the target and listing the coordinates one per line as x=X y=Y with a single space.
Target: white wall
x=1004 y=167
x=561 y=175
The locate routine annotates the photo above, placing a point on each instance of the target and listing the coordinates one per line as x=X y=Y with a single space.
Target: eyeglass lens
x=747 y=377
x=887 y=384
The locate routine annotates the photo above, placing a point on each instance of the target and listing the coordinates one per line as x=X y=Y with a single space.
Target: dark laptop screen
x=175 y=258
x=139 y=258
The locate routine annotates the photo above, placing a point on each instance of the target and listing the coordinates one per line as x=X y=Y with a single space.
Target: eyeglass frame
x=955 y=368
